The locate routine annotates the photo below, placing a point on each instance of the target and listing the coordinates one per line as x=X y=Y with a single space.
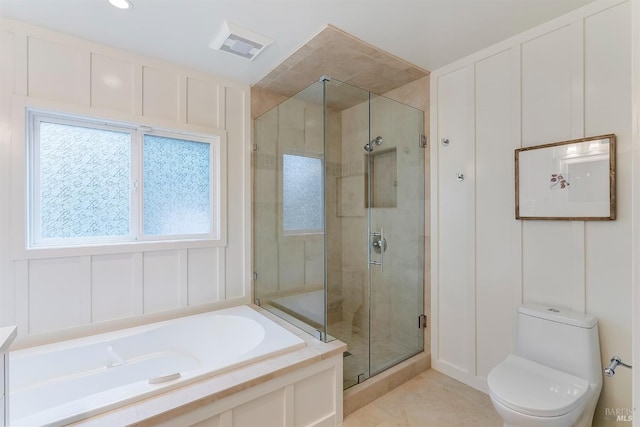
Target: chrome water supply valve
x=615 y=361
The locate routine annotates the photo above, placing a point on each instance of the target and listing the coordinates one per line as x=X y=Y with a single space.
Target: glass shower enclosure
x=339 y=231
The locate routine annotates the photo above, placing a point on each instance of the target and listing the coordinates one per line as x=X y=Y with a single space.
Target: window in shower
x=302 y=205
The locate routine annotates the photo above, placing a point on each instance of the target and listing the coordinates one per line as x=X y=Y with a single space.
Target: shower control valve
x=379 y=245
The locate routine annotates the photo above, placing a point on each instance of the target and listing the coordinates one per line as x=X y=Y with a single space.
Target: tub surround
x=68 y=381
x=265 y=379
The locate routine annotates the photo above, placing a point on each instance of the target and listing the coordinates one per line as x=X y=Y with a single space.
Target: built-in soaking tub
x=60 y=383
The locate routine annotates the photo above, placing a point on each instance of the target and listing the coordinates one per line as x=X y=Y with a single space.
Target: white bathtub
x=68 y=381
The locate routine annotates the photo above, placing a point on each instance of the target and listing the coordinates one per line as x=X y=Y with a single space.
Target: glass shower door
x=396 y=200
x=339 y=221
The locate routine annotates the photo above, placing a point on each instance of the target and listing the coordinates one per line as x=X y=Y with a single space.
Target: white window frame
x=214 y=173
x=34 y=243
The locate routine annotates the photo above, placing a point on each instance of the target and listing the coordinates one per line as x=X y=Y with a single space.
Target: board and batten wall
x=635 y=93
x=566 y=79
x=59 y=293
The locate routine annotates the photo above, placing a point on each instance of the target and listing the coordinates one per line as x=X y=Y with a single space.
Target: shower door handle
x=379 y=245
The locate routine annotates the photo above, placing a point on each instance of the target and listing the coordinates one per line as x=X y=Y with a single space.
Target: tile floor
x=430 y=399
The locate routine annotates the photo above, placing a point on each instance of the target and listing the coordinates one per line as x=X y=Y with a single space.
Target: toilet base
x=578 y=418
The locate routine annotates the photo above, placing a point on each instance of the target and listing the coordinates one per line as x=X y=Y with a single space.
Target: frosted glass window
x=84 y=177
x=177 y=196
x=302 y=208
x=92 y=181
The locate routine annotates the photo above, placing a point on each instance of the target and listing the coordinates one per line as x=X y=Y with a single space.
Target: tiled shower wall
x=393 y=289
x=288 y=264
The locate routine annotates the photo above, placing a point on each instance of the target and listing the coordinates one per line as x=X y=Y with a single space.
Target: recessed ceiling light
x=121 y=4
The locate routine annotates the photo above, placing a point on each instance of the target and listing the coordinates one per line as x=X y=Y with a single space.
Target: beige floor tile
x=430 y=399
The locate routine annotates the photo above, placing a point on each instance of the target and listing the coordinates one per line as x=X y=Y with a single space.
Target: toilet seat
x=531 y=388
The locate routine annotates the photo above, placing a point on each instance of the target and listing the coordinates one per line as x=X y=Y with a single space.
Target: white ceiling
x=427 y=33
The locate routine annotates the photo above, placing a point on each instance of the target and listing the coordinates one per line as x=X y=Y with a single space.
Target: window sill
x=115 y=248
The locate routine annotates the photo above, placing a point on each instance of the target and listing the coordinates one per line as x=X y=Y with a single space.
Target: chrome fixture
x=615 y=361
x=376 y=141
x=459 y=177
x=445 y=141
x=379 y=245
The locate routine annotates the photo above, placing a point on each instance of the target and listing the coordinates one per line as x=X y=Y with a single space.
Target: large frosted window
x=302 y=208
x=176 y=186
x=84 y=182
x=92 y=181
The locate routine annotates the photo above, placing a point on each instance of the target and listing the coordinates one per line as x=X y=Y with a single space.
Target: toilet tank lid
x=554 y=314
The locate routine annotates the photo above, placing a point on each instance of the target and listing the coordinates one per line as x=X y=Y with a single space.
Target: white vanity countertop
x=7 y=335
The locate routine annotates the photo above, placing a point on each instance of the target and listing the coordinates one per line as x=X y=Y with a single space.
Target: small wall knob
x=459 y=177
x=444 y=141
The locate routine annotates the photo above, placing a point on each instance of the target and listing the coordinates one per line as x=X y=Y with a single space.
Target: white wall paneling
x=161 y=278
x=58 y=296
x=204 y=281
x=161 y=90
x=456 y=225
x=548 y=103
x=112 y=287
x=112 y=84
x=57 y=72
x=6 y=86
x=635 y=117
x=62 y=294
x=498 y=270
x=203 y=99
x=566 y=79
x=607 y=93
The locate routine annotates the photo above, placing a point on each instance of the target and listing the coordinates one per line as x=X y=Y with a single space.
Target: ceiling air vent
x=239 y=41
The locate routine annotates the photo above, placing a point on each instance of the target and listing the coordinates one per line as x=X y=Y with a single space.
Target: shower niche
x=339 y=230
x=384 y=178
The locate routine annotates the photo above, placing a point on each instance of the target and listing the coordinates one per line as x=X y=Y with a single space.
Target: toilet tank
x=562 y=339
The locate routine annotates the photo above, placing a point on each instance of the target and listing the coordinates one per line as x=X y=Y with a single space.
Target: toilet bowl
x=554 y=378
x=526 y=393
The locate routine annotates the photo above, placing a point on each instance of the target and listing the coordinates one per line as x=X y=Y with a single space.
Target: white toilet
x=555 y=376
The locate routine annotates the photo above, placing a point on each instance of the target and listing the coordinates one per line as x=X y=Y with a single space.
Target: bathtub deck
x=191 y=397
